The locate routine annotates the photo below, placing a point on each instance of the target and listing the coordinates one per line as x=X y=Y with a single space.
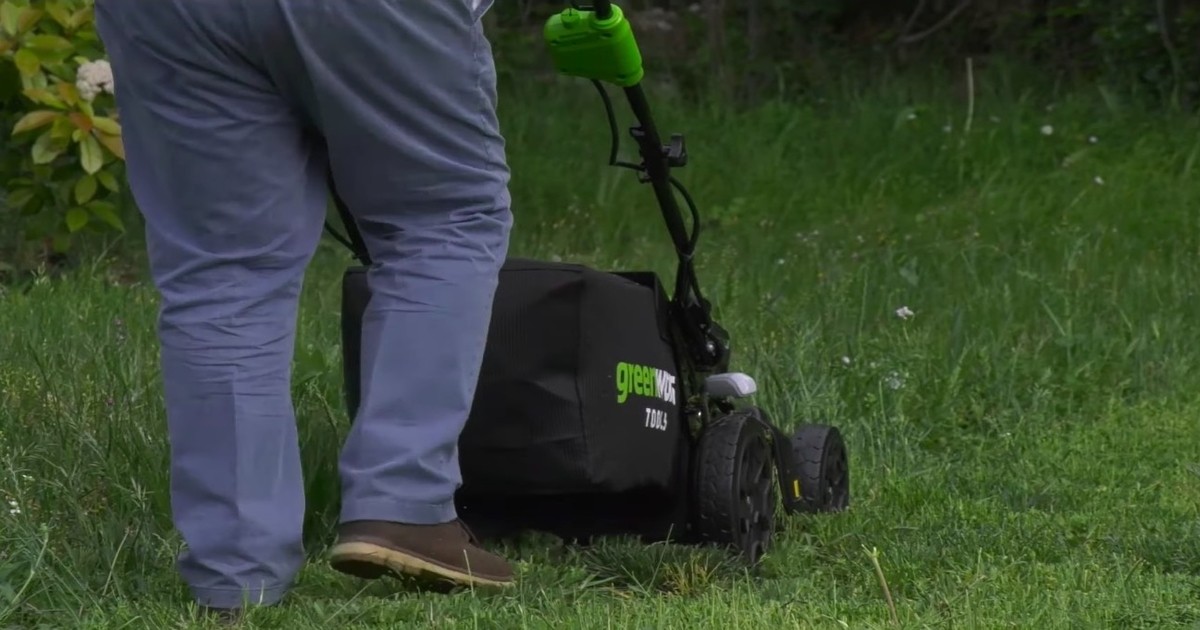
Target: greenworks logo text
x=642 y=380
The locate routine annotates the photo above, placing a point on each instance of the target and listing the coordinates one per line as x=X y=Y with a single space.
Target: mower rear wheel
x=735 y=486
x=819 y=455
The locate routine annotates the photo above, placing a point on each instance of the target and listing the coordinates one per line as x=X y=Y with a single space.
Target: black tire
x=819 y=455
x=735 y=486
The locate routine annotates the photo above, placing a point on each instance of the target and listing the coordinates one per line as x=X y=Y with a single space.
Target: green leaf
x=20 y=197
x=113 y=143
x=45 y=150
x=34 y=120
x=85 y=189
x=50 y=47
x=44 y=96
x=81 y=17
x=107 y=125
x=91 y=155
x=60 y=13
x=10 y=16
x=107 y=212
x=107 y=180
x=63 y=71
x=62 y=129
x=77 y=219
x=34 y=205
x=29 y=17
x=27 y=62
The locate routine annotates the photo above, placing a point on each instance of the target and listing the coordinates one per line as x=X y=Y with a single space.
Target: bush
x=64 y=162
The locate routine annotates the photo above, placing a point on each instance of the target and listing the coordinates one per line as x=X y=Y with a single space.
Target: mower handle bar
x=602 y=8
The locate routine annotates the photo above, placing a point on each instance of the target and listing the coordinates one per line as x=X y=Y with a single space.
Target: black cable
x=691 y=204
x=337 y=236
x=614 y=130
x=614 y=151
x=615 y=142
x=358 y=247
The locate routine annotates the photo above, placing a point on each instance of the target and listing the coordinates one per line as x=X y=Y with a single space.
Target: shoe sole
x=368 y=561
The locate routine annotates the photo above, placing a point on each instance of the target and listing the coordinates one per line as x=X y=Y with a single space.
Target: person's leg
x=233 y=196
x=405 y=94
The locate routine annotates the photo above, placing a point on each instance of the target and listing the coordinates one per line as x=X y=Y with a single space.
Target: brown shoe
x=448 y=552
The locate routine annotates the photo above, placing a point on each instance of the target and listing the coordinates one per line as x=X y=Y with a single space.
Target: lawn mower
x=606 y=406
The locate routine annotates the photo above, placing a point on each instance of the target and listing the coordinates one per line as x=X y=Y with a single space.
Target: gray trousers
x=233 y=113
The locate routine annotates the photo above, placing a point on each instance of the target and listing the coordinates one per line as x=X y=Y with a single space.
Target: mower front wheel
x=735 y=487
x=822 y=467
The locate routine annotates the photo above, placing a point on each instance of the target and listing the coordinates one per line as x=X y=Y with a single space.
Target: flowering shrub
x=63 y=162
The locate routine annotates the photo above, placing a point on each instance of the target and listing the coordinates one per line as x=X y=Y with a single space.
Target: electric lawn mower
x=606 y=406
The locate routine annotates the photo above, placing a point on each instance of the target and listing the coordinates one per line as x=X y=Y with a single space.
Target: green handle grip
x=603 y=49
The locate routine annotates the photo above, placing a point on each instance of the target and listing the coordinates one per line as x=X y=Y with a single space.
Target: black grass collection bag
x=577 y=393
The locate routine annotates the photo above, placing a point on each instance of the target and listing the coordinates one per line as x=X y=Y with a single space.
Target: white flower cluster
x=93 y=78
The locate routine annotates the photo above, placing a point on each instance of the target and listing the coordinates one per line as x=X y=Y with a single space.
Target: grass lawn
x=1025 y=448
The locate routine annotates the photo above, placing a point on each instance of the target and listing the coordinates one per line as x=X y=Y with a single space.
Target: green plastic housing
x=582 y=45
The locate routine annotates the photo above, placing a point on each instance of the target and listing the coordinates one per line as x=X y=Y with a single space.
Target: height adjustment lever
x=676 y=151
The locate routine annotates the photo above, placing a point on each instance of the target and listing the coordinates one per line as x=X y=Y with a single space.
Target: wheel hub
x=756 y=516
x=836 y=474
